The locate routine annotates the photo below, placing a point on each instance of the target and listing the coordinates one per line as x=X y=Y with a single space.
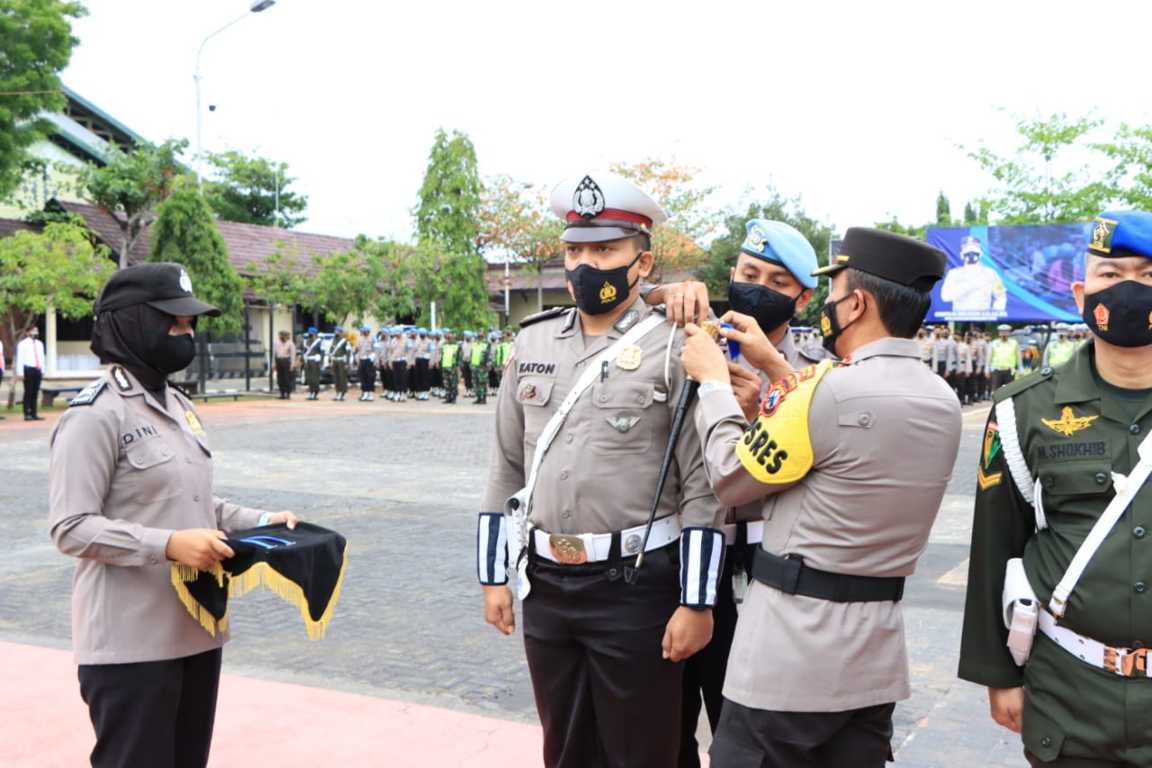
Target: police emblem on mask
x=607 y=293
x=1101 y=315
x=185 y=282
x=588 y=200
x=825 y=325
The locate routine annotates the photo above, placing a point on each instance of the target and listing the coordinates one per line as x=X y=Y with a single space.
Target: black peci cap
x=903 y=260
x=163 y=286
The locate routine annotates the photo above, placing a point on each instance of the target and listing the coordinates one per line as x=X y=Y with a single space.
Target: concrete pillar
x=50 y=342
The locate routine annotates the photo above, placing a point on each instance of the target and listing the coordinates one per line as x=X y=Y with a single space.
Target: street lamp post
x=257 y=6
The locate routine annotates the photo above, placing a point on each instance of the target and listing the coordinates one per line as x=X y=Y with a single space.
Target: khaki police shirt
x=599 y=474
x=124 y=473
x=885 y=432
x=365 y=348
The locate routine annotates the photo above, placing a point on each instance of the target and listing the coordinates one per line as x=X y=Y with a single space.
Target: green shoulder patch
x=89 y=394
x=547 y=314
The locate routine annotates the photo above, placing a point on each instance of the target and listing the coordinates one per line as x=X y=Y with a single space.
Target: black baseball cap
x=903 y=260
x=162 y=285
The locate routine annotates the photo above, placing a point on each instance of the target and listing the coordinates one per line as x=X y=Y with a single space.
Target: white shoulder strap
x=1126 y=490
x=1013 y=455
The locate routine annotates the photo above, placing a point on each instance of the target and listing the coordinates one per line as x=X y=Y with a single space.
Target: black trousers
x=400 y=375
x=1000 y=378
x=155 y=713
x=284 y=375
x=422 y=381
x=604 y=694
x=758 y=738
x=468 y=378
x=367 y=376
x=32 y=378
x=704 y=673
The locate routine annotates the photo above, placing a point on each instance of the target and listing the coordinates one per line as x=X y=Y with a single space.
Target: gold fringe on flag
x=181 y=575
x=262 y=574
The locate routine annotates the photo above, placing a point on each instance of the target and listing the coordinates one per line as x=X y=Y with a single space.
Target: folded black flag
x=304 y=566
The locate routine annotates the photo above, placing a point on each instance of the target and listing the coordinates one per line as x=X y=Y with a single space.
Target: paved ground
x=401 y=481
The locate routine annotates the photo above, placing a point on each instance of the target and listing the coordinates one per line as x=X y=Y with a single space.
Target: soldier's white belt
x=755 y=533
x=577 y=548
x=1125 y=662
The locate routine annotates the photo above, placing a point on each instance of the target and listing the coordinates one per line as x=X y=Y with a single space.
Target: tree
x=345 y=284
x=37 y=46
x=447 y=223
x=185 y=232
x=254 y=190
x=677 y=244
x=894 y=225
x=724 y=250
x=516 y=223
x=131 y=186
x=971 y=216
x=1132 y=171
x=1043 y=181
x=57 y=269
x=943 y=211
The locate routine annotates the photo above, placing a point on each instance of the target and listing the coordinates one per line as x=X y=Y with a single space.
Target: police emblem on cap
x=588 y=199
x=755 y=238
x=1102 y=232
x=185 y=282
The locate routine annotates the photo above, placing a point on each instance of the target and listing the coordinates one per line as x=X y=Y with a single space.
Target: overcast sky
x=856 y=107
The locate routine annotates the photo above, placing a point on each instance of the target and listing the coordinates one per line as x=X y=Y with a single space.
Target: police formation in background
x=849 y=463
x=584 y=418
x=1058 y=621
x=130 y=492
x=770 y=282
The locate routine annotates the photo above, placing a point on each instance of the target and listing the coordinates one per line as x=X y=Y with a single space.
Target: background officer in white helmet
x=603 y=639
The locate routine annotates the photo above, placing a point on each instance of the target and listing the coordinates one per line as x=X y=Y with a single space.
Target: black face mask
x=770 y=308
x=1122 y=314
x=600 y=290
x=174 y=353
x=830 y=326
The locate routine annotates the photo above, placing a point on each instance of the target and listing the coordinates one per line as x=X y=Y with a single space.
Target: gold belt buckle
x=568 y=550
x=1131 y=664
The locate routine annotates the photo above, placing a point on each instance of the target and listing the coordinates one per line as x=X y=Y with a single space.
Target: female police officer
x=130 y=490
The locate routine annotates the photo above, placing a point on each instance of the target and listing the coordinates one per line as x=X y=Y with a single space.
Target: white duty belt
x=754 y=532
x=1125 y=662
x=519 y=506
x=577 y=548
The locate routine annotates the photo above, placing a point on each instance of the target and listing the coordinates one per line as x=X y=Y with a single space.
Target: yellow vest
x=1004 y=355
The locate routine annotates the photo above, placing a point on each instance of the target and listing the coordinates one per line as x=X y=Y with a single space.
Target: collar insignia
x=627 y=321
x=194 y=423
x=623 y=423
x=588 y=200
x=1069 y=423
x=1102 y=231
x=121 y=379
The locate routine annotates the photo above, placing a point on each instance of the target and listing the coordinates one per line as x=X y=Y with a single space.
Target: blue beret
x=312 y=329
x=781 y=244
x=1122 y=233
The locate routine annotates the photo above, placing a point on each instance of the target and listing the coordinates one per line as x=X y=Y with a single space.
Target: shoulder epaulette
x=547 y=314
x=1020 y=385
x=89 y=394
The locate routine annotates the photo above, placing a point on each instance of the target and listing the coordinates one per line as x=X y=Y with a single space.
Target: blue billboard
x=1009 y=274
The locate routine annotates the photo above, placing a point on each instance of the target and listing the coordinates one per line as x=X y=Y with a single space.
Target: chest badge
x=194 y=423
x=629 y=358
x=623 y=424
x=1069 y=423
